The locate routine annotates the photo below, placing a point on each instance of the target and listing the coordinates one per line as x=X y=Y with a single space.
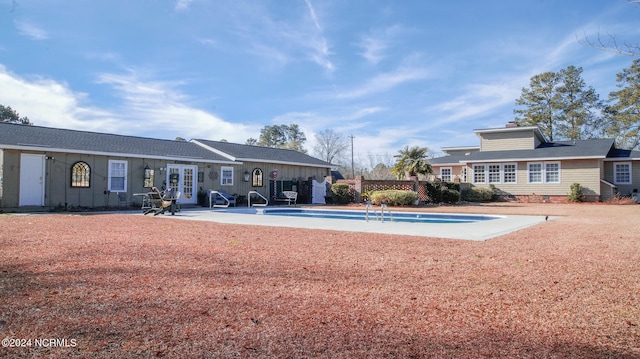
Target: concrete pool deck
x=477 y=231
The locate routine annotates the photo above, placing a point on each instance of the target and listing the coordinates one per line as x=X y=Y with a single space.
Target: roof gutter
x=285 y=163
x=533 y=159
x=167 y=157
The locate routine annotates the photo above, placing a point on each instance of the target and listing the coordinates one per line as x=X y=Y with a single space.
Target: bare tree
x=331 y=145
x=611 y=43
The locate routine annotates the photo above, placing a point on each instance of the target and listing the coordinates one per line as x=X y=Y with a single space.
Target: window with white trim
x=464 y=174
x=535 y=172
x=509 y=173
x=622 y=173
x=494 y=173
x=445 y=174
x=117 y=180
x=226 y=179
x=544 y=172
x=479 y=174
x=552 y=172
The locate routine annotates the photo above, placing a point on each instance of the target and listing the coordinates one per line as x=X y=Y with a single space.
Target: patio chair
x=161 y=202
x=291 y=196
x=123 y=200
x=287 y=196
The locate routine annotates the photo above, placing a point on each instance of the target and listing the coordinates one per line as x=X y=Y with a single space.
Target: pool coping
x=476 y=231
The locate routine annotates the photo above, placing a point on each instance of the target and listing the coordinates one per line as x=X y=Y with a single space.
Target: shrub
x=341 y=193
x=575 y=193
x=620 y=199
x=447 y=192
x=450 y=196
x=453 y=185
x=394 y=197
x=478 y=194
x=434 y=193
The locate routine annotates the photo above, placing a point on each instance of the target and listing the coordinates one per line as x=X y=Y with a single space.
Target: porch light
x=245 y=176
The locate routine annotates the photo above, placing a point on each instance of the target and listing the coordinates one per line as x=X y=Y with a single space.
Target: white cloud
x=148 y=108
x=373 y=49
x=182 y=4
x=477 y=101
x=318 y=44
x=31 y=30
x=280 y=42
x=385 y=82
x=160 y=108
x=52 y=104
x=375 y=44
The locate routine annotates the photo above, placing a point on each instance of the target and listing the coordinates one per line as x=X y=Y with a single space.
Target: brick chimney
x=511 y=124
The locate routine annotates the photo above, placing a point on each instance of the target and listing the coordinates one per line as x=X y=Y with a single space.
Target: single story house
x=52 y=167
x=521 y=162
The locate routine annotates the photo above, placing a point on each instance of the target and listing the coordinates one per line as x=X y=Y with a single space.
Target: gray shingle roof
x=264 y=154
x=595 y=148
x=23 y=136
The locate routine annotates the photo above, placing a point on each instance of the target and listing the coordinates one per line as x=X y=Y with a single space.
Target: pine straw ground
x=117 y=285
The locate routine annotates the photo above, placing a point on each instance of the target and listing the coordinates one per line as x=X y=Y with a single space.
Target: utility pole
x=353 y=170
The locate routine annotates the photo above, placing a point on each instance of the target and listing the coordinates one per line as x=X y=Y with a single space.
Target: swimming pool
x=477 y=226
x=411 y=217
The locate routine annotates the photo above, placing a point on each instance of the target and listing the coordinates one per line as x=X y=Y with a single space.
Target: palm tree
x=411 y=161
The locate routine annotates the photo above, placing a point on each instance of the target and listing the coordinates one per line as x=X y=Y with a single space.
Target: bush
x=394 y=197
x=341 y=193
x=478 y=194
x=619 y=199
x=447 y=192
x=575 y=193
x=434 y=193
x=450 y=196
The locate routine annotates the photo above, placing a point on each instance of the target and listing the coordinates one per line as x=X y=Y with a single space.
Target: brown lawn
x=127 y=286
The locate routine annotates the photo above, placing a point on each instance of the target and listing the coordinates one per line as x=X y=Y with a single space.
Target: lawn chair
x=162 y=201
x=291 y=196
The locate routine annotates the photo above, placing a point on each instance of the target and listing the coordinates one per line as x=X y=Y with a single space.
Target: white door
x=187 y=182
x=31 y=180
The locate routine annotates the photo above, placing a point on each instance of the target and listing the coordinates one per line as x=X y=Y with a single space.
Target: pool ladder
x=383 y=206
x=266 y=201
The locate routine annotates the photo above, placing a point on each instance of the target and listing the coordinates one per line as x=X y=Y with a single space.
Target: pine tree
x=7 y=114
x=623 y=111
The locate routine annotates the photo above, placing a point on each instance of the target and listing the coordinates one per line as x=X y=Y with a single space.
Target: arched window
x=81 y=175
x=256 y=178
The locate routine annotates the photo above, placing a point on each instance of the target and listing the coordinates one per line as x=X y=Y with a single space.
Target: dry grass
x=128 y=286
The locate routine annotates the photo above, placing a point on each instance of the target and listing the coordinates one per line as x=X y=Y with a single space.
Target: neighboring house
x=520 y=162
x=50 y=167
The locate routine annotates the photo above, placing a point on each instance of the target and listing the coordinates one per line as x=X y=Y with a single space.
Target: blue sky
x=391 y=73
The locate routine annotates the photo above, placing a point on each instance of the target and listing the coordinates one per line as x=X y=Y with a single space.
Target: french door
x=186 y=182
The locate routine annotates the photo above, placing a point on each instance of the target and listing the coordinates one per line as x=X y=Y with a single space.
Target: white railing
x=382 y=207
x=212 y=204
x=366 y=213
x=266 y=201
x=369 y=206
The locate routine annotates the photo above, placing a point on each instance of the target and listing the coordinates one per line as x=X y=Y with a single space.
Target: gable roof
x=559 y=150
x=36 y=138
x=249 y=153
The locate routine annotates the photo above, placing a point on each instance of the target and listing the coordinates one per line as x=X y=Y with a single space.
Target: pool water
x=412 y=217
